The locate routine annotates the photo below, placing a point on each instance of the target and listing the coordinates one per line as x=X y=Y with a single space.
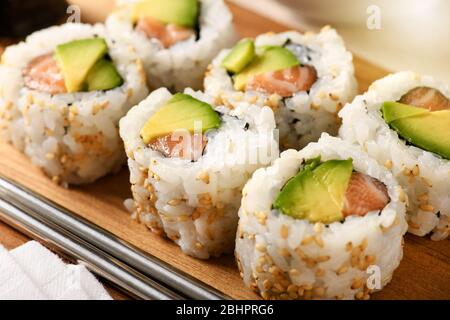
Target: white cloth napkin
x=35 y=273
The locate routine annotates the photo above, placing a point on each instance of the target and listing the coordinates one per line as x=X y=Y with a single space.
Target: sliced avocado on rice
x=429 y=130
x=181 y=112
x=84 y=66
x=317 y=192
x=272 y=58
x=240 y=56
x=183 y=13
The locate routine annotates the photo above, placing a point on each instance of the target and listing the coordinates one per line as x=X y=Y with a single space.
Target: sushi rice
x=303 y=117
x=420 y=172
x=195 y=203
x=182 y=65
x=73 y=137
x=286 y=258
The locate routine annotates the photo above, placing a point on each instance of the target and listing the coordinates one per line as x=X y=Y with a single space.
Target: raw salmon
x=174 y=146
x=427 y=98
x=43 y=74
x=284 y=82
x=168 y=34
x=364 y=194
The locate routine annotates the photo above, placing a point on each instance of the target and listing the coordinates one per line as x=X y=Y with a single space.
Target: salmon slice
x=43 y=74
x=284 y=82
x=174 y=146
x=427 y=98
x=364 y=194
x=168 y=34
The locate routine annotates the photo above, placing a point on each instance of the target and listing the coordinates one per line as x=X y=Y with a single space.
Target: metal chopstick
x=45 y=210
x=96 y=260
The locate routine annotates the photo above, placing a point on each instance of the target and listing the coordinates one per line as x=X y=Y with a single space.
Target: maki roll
x=305 y=78
x=403 y=121
x=63 y=91
x=189 y=160
x=319 y=222
x=175 y=39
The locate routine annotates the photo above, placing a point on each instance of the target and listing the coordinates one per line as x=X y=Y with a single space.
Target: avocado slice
x=317 y=192
x=182 y=111
x=240 y=56
x=76 y=58
x=273 y=58
x=103 y=76
x=428 y=130
x=183 y=13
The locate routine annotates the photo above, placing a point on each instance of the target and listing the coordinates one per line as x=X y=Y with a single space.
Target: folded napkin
x=33 y=272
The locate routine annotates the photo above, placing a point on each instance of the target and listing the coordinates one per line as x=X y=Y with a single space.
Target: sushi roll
x=403 y=121
x=305 y=78
x=319 y=222
x=189 y=160
x=175 y=39
x=63 y=91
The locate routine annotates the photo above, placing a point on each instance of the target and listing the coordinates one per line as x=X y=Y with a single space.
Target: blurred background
x=402 y=34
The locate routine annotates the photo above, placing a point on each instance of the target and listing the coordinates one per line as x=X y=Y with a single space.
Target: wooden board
x=423 y=274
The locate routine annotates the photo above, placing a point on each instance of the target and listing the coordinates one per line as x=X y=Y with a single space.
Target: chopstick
x=121 y=263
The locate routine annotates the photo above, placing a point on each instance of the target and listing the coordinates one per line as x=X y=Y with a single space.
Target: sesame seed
x=174 y=202
x=323 y=258
x=388 y=164
x=183 y=218
x=363 y=244
x=342 y=270
x=413 y=225
x=307 y=240
x=427 y=182
x=416 y=170
x=284 y=252
x=359 y=295
x=318 y=227
x=294 y=272
x=267 y=284
x=265 y=295
x=320 y=272
x=260 y=247
x=198 y=245
x=348 y=246
x=293 y=295
x=319 y=241
x=284 y=231
x=310 y=262
x=300 y=253
x=423 y=197
x=426 y=207
x=370 y=259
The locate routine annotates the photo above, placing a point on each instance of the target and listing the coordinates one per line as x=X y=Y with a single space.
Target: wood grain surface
x=423 y=274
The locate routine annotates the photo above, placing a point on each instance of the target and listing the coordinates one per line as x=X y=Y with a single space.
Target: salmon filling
x=175 y=146
x=43 y=74
x=364 y=194
x=427 y=98
x=284 y=82
x=168 y=34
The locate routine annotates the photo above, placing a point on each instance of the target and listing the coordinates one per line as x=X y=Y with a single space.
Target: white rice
x=182 y=65
x=195 y=203
x=424 y=175
x=73 y=137
x=286 y=258
x=303 y=117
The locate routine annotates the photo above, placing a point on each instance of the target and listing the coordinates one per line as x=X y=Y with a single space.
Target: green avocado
x=240 y=56
x=317 y=192
x=182 y=111
x=429 y=130
x=183 y=13
x=103 y=76
x=76 y=58
x=272 y=58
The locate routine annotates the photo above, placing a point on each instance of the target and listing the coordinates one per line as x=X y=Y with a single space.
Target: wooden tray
x=423 y=274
